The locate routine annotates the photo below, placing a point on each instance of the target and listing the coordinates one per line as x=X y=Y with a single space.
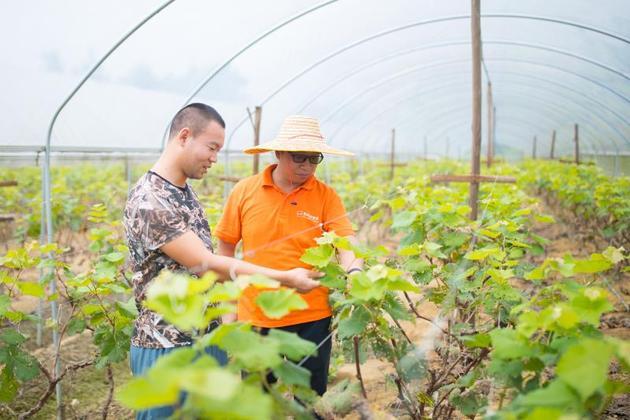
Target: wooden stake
x=258 y=115
x=553 y=144
x=534 y=148
x=489 y=145
x=8 y=183
x=475 y=27
x=576 y=139
x=392 y=160
x=425 y=148
x=358 y=365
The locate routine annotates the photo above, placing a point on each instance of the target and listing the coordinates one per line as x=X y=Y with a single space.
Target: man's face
x=202 y=150
x=295 y=172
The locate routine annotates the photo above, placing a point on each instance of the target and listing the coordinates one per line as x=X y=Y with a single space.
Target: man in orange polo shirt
x=277 y=215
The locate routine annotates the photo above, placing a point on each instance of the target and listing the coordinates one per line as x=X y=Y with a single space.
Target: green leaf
x=509 y=344
x=114 y=257
x=584 y=366
x=403 y=219
x=318 y=256
x=5 y=304
x=476 y=340
x=291 y=374
x=335 y=277
x=544 y=218
x=556 y=394
x=277 y=303
x=481 y=254
x=355 y=324
x=251 y=350
x=31 y=289
x=212 y=383
x=595 y=264
x=8 y=386
x=142 y=393
x=12 y=337
x=614 y=255
x=291 y=345
x=362 y=287
x=25 y=366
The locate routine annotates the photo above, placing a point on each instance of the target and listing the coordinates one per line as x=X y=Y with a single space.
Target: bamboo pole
x=553 y=144
x=475 y=26
x=258 y=115
x=490 y=117
x=534 y=148
x=392 y=159
x=576 y=139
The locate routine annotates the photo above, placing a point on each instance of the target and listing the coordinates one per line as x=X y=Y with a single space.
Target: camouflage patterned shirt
x=156 y=213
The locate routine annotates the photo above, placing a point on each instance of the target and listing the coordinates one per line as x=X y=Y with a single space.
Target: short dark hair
x=195 y=116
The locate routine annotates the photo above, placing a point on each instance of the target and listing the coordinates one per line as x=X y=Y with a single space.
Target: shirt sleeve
x=161 y=222
x=335 y=217
x=229 y=227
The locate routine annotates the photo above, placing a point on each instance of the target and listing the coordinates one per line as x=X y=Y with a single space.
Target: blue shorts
x=141 y=359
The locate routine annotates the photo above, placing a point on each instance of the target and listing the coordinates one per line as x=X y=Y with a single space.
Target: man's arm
x=189 y=250
x=226 y=249
x=347 y=259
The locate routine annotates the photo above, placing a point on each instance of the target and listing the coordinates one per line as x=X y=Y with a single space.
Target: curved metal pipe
x=47 y=193
x=425 y=92
x=420 y=23
x=242 y=50
x=423 y=48
x=448 y=113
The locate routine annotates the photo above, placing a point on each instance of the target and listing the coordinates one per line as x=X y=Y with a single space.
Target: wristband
x=352 y=270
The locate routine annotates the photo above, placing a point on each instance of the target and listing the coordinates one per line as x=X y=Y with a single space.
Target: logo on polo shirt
x=308 y=216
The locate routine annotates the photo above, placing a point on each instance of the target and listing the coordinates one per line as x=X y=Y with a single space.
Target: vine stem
x=358 y=365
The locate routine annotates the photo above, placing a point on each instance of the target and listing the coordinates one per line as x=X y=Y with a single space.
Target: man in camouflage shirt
x=166 y=228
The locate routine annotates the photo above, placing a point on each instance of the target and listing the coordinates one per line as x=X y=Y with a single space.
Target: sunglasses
x=301 y=158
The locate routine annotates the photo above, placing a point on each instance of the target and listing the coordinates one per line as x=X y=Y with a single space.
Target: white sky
x=47 y=47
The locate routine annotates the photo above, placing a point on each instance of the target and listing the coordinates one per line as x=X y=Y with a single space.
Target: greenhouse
x=315 y=209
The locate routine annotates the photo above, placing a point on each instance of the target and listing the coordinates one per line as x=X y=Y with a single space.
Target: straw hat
x=298 y=134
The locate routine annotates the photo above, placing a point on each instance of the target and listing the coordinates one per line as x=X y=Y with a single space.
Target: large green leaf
x=291 y=345
x=355 y=324
x=291 y=374
x=318 y=256
x=509 y=344
x=584 y=366
x=403 y=219
x=277 y=303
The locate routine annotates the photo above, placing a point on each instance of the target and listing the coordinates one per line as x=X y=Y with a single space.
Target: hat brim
x=296 y=145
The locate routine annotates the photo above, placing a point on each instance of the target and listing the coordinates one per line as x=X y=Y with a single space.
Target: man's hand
x=303 y=280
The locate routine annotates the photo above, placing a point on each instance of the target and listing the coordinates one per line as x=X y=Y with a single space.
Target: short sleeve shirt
x=156 y=213
x=276 y=228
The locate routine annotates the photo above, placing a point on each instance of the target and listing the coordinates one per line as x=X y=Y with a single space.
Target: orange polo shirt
x=276 y=228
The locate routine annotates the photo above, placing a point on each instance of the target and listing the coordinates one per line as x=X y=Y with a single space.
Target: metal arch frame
x=243 y=50
x=557 y=110
x=401 y=53
x=433 y=104
x=603 y=119
x=401 y=74
x=384 y=82
x=46 y=178
x=445 y=131
x=416 y=24
x=413 y=69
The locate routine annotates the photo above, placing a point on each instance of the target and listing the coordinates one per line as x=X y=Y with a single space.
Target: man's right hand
x=303 y=280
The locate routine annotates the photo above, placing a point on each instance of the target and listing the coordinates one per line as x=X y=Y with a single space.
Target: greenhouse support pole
x=257 y=117
x=47 y=193
x=534 y=147
x=426 y=154
x=576 y=140
x=392 y=155
x=489 y=129
x=475 y=26
x=553 y=144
